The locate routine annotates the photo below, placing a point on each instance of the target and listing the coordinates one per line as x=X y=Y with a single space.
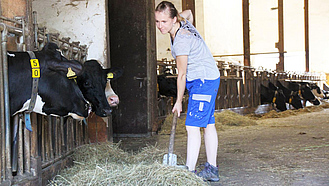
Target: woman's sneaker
x=209 y=173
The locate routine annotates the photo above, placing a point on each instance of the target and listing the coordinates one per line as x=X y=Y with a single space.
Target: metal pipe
x=10 y=20
x=35 y=26
x=2 y=120
x=4 y=33
x=259 y=53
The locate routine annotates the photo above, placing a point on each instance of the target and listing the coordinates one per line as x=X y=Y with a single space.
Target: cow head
x=93 y=83
x=316 y=90
x=273 y=95
x=278 y=97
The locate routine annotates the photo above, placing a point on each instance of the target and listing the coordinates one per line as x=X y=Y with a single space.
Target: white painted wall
x=81 y=20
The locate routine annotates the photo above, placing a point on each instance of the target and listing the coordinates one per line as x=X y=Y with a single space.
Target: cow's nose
x=113 y=101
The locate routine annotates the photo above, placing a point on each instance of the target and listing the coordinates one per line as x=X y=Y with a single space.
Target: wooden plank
x=20 y=170
x=27 y=151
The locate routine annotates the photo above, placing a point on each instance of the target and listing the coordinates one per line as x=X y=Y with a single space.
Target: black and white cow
x=273 y=95
x=167 y=84
x=305 y=91
x=292 y=97
x=316 y=90
x=94 y=82
x=56 y=95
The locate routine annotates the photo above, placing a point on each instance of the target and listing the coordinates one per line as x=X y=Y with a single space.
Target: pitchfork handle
x=172 y=134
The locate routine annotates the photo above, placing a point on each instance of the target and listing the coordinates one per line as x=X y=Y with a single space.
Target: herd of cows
x=89 y=88
x=283 y=94
x=65 y=87
x=292 y=94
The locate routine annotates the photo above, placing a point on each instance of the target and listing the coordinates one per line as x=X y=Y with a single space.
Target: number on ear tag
x=110 y=75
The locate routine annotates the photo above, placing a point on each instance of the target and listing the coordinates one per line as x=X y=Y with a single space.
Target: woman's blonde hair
x=166 y=5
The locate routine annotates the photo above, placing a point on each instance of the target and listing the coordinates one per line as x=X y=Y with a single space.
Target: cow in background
x=316 y=90
x=167 y=84
x=305 y=91
x=56 y=95
x=292 y=97
x=273 y=95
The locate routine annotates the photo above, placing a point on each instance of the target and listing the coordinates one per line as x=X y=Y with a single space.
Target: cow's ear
x=113 y=73
x=69 y=68
x=272 y=86
x=51 y=49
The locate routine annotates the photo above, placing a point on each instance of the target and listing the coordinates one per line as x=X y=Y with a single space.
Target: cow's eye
x=87 y=84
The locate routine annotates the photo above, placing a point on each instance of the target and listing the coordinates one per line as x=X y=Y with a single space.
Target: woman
x=197 y=71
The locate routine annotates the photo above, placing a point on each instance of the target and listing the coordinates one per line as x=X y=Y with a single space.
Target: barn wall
x=319 y=37
x=81 y=20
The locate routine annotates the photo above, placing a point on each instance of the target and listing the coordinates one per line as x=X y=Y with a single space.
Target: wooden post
x=246 y=32
x=280 y=66
x=189 y=4
x=307 y=52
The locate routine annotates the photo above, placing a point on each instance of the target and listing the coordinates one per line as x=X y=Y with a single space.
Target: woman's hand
x=178 y=108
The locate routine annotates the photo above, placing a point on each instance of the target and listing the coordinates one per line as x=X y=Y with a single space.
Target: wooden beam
x=307 y=50
x=189 y=4
x=246 y=32
x=280 y=66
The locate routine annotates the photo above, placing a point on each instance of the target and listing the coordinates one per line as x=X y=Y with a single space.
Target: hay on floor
x=107 y=164
x=230 y=118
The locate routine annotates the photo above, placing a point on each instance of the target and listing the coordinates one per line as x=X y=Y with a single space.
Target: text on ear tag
x=110 y=75
x=70 y=73
x=35 y=68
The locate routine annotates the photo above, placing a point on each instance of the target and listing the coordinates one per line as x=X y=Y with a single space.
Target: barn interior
x=253 y=42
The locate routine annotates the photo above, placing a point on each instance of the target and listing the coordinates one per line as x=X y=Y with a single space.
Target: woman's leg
x=193 y=146
x=211 y=143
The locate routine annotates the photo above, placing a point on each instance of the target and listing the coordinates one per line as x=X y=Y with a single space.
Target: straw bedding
x=107 y=164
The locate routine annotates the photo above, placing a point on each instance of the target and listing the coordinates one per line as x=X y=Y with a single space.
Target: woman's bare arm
x=187 y=14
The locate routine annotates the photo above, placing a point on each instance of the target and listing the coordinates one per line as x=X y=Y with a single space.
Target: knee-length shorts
x=201 y=103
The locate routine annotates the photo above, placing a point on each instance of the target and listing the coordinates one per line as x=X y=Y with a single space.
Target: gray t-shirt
x=201 y=64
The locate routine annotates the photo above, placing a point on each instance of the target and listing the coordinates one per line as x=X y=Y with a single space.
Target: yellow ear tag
x=274 y=99
x=110 y=75
x=70 y=73
x=290 y=100
x=300 y=92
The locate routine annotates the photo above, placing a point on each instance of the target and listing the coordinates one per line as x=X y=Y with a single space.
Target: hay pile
x=107 y=164
x=287 y=113
x=231 y=118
